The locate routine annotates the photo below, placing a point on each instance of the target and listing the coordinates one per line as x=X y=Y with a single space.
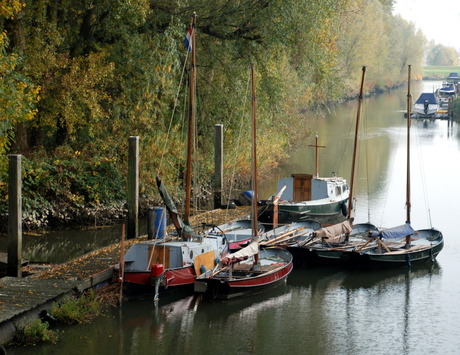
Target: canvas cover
x=335 y=230
x=242 y=254
x=397 y=232
x=429 y=97
x=181 y=227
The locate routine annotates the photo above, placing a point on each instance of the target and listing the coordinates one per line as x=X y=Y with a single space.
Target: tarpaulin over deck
x=397 y=232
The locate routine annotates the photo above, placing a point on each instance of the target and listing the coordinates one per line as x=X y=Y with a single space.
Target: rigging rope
x=422 y=174
x=243 y=109
x=401 y=127
x=174 y=109
x=366 y=150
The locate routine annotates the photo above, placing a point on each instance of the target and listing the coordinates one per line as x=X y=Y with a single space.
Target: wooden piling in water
x=218 y=164
x=14 y=216
x=133 y=188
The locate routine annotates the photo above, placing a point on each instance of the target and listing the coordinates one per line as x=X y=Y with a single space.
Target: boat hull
x=240 y=284
x=157 y=266
x=138 y=284
x=311 y=209
x=337 y=253
x=427 y=246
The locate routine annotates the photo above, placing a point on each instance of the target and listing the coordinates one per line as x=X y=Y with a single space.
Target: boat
x=427 y=105
x=251 y=269
x=241 y=277
x=335 y=244
x=238 y=233
x=446 y=93
x=307 y=196
x=454 y=77
x=393 y=249
x=172 y=264
x=401 y=246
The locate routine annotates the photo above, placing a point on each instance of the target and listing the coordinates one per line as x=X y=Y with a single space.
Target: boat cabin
x=141 y=256
x=306 y=187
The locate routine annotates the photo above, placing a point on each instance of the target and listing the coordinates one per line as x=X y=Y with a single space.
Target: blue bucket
x=157 y=223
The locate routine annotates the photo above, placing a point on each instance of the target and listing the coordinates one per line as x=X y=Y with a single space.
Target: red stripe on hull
x=262 y=280
x=174 y=277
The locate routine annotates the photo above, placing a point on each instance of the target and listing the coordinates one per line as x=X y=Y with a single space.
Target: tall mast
x=352 y=182
x=254 y=157
x=191 y=126
x=409 y=104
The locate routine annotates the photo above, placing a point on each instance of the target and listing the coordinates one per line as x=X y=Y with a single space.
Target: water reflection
x=59 y=246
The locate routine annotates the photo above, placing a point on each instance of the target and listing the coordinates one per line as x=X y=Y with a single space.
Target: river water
x=326 y=310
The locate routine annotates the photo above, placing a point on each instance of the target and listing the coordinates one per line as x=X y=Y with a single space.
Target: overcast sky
x=439 y=20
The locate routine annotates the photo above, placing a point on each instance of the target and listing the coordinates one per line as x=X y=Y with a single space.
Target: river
x=325 y=310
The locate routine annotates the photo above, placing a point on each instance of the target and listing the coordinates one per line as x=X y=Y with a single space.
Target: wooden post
x=133 y=188
x=15 y=216
x=218 y=164
x=121 y=271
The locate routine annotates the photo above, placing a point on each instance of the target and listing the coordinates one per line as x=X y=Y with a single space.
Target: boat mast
x=254 y=157
x=191 y=126
x=408 y=202
x=352 y=181
x=316 y=154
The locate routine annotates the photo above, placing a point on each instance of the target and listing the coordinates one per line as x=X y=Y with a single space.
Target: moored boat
x=393 y=251
x=446 y=94
x=237 y=277
x=427 y=105
x=307 y=196
x=156 y=267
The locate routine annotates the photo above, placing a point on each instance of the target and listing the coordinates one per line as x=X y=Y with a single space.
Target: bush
x=78 y=310
x=35 y=332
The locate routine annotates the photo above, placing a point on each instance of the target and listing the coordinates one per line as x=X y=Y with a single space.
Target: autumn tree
x=442 y=55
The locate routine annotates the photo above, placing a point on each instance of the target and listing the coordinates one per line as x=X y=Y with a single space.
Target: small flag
x=188 y=39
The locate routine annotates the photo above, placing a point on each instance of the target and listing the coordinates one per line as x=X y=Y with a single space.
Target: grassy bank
x=439 y=72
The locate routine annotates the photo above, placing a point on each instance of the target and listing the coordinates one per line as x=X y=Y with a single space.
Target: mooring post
x=14 y=216
x=218 y=164
x=133 y=187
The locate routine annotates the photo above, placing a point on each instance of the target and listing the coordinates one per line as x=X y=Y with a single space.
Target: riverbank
x=439 y=72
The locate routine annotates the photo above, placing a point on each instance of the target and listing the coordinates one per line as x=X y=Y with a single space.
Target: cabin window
x=191 y=254
x=338 y=190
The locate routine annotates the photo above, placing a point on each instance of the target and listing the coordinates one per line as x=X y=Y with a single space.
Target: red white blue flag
x=188 y=39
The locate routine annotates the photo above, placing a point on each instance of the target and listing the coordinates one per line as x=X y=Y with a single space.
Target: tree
x=442 y=55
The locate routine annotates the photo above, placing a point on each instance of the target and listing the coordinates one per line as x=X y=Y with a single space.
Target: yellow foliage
x=8 y=8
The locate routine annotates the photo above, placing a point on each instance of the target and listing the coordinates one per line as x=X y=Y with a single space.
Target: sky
x=439 y=20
